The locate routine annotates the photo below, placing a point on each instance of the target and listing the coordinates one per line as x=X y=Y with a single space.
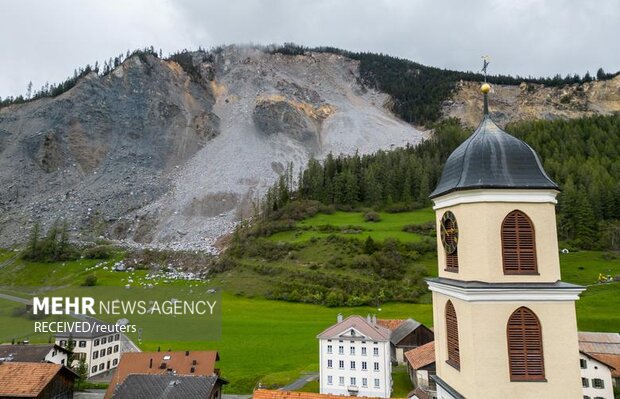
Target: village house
x=36 y=380
x=405 y=335
x=169 y=386
x=100 y=351
x=421 y=368
x=595 y=378
x=605 y=347
x=50 y=353
x=179 y=363
x=354 y=356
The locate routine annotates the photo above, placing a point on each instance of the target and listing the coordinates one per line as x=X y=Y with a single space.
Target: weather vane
x=485 y=64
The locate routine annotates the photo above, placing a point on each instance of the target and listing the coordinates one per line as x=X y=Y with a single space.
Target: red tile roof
x=26 y=379
x=391 y=324
x=269 y=394
x=610 y=360
x=421 y=356
x=180 y=361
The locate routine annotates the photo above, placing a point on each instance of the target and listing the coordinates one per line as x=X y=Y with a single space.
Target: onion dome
x=492 y=159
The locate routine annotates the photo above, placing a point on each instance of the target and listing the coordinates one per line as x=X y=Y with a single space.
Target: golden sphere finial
x=485 y=88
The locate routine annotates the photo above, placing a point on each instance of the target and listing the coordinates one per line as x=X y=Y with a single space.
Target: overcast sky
x=45 y=40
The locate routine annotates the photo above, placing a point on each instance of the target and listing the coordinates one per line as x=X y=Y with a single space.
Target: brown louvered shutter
x=452 y=332
x=525 y=351
x=518 y=244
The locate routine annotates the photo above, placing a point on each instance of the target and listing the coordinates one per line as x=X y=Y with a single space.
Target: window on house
x=525 y=351
x=518 y=244
x=585 y=383
x=341 y=350
x=376 y=367
x=103 y=340
x=115 y=348
x=364 y=382
x=102 y=353
x=96 y=342
x=101 y=366
x=352 y=350
x=375 y=351
x=364 y=366
x=583 y=363
x=114 y=362
x=82 y=344
x=117 y=337
x=341 y=364
x=353 y=382
x=95 y=354
x=329 y=364
x=94 y=369
x=330 y=380
x=376 y=383
x=586 y=397
x=352 y=365
x=363 y=351
x=110 y=338
x=110 y=350
x=63 y=343
x=452 y=334
x=340 y=380
x=598 y=383
x=329 y=349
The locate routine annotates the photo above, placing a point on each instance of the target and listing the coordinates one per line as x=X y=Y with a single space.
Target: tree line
x=581 y=155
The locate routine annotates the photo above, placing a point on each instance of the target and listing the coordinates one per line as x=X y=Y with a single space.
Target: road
x=300 y=382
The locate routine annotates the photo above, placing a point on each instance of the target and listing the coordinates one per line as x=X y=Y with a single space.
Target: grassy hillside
x=272 y=342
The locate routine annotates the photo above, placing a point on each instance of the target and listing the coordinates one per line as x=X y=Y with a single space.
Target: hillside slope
x=152 y=154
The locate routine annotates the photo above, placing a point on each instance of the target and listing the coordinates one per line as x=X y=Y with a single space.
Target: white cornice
x=511 y=294
x=496 y=195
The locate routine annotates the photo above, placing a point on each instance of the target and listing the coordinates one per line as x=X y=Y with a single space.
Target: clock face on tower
x=449 y=232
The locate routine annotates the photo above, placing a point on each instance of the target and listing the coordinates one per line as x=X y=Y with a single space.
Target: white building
x=595 y=378
x=100 y=351
x=49 y=353
x=354 y=357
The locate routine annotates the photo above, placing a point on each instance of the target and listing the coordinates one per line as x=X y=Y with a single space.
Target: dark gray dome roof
x=491 y=158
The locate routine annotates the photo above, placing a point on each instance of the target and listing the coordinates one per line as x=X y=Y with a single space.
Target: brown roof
x=373 y=331
x=269 y=394
x=180 y=361
x=590 y=342
x=391 y=324
x=27 y=379
x=421 y=356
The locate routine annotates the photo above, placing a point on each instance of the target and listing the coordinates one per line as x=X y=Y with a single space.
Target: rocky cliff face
x=533 y=101
x=151 y=155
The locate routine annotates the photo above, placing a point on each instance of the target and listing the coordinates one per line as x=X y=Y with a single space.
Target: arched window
x=452 y=333
x=518 y=244
x=525 y=350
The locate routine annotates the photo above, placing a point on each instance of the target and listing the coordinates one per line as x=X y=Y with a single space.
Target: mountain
x=174 y=152
x=158 y=154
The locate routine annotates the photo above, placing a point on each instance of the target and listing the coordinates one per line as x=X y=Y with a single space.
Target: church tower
x=505 y=325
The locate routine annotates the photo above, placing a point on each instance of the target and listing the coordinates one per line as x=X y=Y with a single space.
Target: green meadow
x=272 y=342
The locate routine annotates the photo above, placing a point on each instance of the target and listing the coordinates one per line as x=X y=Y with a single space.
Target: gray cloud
x=45 y=40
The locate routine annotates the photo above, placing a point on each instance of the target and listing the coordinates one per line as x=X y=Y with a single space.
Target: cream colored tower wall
x=484 y=352
x=480 y=247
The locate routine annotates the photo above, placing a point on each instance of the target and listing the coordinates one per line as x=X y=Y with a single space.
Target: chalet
x=406 y=336
x=421 y=367
x=36 y=380
x=169 y=386
x=50 y=353
x=180 y=363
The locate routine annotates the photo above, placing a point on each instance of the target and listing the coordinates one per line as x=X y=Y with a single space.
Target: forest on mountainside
x=581 y=155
